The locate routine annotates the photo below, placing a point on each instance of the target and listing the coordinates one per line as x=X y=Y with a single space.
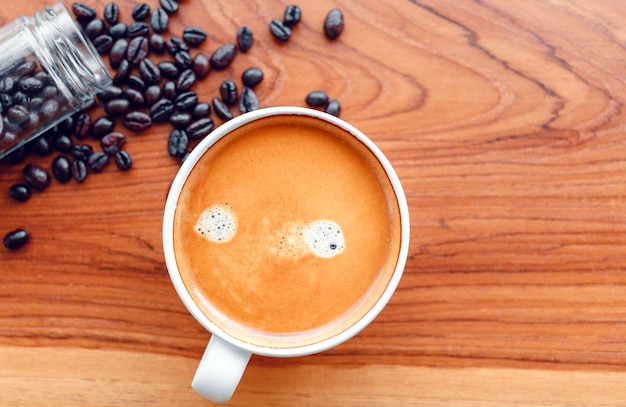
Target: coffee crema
x=287 y=231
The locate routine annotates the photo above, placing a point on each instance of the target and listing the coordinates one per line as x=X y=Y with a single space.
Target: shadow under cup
x=286 y=231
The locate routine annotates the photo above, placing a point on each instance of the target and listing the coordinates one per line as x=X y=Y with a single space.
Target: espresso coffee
x=286 y=231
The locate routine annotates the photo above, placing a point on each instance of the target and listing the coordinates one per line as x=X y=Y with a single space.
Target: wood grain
x=505 y=122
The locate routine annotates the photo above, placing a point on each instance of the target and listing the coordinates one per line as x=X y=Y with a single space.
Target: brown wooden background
x=506 y=123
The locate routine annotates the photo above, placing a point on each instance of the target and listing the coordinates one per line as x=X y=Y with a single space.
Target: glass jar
x=48 y=71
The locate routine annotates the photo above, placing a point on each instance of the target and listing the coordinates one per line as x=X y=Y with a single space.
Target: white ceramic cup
x=226 y=357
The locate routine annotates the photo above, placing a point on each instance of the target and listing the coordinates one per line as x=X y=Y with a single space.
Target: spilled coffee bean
x=15 y=239
x=178 y=142
x=245 y=38
x=333 y=24
x=194 y=36
x=123 y=160
x=248 y=100
x=317 y=98
x=20 y=192
x=61 y=169
x=223 y=56
x=36 y=177
x=97 y=161
x=252 y=77
x=280 y=30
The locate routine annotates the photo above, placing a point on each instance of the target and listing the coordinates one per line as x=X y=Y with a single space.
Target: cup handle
x=220 y=370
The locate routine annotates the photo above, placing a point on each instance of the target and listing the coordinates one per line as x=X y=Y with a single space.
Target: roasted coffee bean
x=138 y=50
x=223 y=56
x=117 y=107
x=49 y=109
x=109 y=93
x=229 y=92
x=83 y=12
x=169 y=70
x=101 y=127
x=122 y=73
x=118 y=30
x=15 y=239
x=200 y=128
x=138 y=29
x=159 y=20
x=183 y=60
x=177 y=142
x=201 y=65
x=137 y=121
x=7 y=100
x=118 y=52
x=157 y=43
x=111 y=13
x=245 y=38
x=79 y=170
x=149 y=72
x=180 y=120
x=18 y=115
x=201 y=110
x=43 y=77
x=141 y=11
x=40 y=146
x=162 y=110
x=252 y=77
x=186 y=101
x=82 y=125
x=169 y=90
x=134 y=96
x=248 y=100
x=152 y=94
x=136 y=82
x=333 y=24
x=36 y=177
x=33 y=120
x=7 y=84
x=186 y=80
x=20 y=192
x=112 y=143
x=194 y=36
x=280 y=30
x=170 y=6
x=333 y=107
x=222 y=111
x=49 y=92
x=62 y=143
x=62 y=169
x=94 y=28
x=30 y=85
x=316 y=98
x=34 y=103
x=25 y=69
x=175 y=44
x=97 y=161
x=292 y=15
x=123 y=160
x=103 y=43
x=81 y=152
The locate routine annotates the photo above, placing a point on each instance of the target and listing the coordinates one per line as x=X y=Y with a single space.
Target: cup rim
x=168 y=223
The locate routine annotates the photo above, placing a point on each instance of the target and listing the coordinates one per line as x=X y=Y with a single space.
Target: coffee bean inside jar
x=49 y=70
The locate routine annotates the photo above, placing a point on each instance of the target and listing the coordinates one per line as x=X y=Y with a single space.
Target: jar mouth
x=71 y=55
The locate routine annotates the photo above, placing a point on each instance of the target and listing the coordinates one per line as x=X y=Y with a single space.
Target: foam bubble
x=324 y=238
x=217 y=223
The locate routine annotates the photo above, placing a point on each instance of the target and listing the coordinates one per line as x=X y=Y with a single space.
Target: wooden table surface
x=506 y=124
